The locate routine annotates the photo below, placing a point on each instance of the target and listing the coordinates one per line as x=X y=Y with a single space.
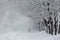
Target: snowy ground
x=28 y=36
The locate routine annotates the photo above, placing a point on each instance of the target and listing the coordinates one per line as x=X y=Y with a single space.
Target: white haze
x=14 y=21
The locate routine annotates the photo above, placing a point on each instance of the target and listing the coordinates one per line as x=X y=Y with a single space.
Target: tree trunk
x=59 y=29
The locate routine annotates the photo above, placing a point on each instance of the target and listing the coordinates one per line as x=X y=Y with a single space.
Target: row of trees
x=52 y=23
x=45 y=11
x=49 y=9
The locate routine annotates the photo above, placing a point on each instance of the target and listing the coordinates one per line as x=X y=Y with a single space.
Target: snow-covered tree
x=48 y=12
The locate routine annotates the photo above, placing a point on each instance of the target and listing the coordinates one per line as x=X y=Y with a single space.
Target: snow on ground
x=28 y=36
